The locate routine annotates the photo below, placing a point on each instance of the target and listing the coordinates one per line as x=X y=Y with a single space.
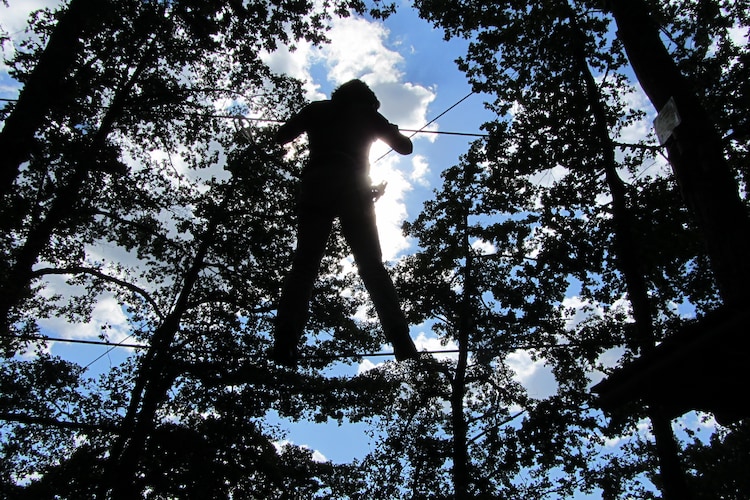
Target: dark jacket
x=340 y=135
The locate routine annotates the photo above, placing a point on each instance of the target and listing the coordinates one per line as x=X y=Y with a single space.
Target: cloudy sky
x=413 y=73
x=412 y=70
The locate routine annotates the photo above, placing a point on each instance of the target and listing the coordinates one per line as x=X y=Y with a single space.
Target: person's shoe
x=405 y=352
x=285 y=355
x=432 y=369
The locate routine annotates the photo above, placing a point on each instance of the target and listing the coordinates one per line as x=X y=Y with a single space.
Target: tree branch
x=52 y=422
x=99 y=274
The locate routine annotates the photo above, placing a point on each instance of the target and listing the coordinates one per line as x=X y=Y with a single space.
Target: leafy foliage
x=138 y=194
x=551 y=181
x=131 y=191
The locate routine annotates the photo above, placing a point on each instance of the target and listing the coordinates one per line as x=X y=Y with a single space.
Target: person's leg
x=358 y=226
x=292 y=312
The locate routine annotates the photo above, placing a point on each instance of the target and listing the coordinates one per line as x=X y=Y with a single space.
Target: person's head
x=355 y=92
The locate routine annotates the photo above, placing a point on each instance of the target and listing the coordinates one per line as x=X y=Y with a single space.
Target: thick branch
x=99 y=274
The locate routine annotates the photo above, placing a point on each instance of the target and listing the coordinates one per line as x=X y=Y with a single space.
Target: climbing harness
x=378 y=190
x=242 y=127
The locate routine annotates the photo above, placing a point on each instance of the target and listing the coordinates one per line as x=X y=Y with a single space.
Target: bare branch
x=99 y=274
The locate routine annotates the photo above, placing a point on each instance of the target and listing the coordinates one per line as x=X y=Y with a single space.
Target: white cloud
x=13 y=20
x=607 y=359
x=550 y=176
x=577 y=310
x=739 y=35
x=484 y=247
x=366 y=365
x=434 y=345
x=639 y=129
x=706 y=420
x=419 y=171
x=405 y=104
x=613 y=442
x=296 y=64
x=423 y=343
x=107 y=317
x=16 y=14
x=316 y=455
x=390 y=209
x=357 y=50
x=535 y=376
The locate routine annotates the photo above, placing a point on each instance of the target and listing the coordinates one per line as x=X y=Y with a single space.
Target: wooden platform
x=706 y=366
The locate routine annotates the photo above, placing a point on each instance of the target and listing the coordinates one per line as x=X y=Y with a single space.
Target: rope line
x=112 y=348
x=648 y=147
x=338 y=356
x=421 y=129
x=444 y=112
x=443 y=132
x=74 y=341
x=274 y=120
x=373 y=354
x=413 y=131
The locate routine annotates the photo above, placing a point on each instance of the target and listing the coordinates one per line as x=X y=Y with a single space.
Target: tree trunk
x=154 y=380
x=671 y=470
x=44 y=88
x=695 y=152
x=628 y=252
x=460 y=471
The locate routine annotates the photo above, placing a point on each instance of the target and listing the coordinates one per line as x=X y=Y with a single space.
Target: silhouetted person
x=336 y=183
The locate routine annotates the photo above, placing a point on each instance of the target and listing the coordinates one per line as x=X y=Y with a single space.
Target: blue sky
x=412 y=70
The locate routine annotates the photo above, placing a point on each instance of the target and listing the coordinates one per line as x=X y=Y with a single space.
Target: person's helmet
x=355 y=92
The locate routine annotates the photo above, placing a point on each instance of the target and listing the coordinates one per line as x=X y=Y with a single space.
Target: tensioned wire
x=343 y=356
x=274 y=120
x=112 y=346
x=567 y=345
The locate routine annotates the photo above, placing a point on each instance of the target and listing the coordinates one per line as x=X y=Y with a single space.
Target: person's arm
x=293 y=128
x=396 y=140
x=389 y=133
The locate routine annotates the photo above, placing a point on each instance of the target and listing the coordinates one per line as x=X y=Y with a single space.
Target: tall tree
x=521 y=53
x=124 y=199
x=628 y=249
x=52 y=71
x=466 y=428
x=696 y=150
